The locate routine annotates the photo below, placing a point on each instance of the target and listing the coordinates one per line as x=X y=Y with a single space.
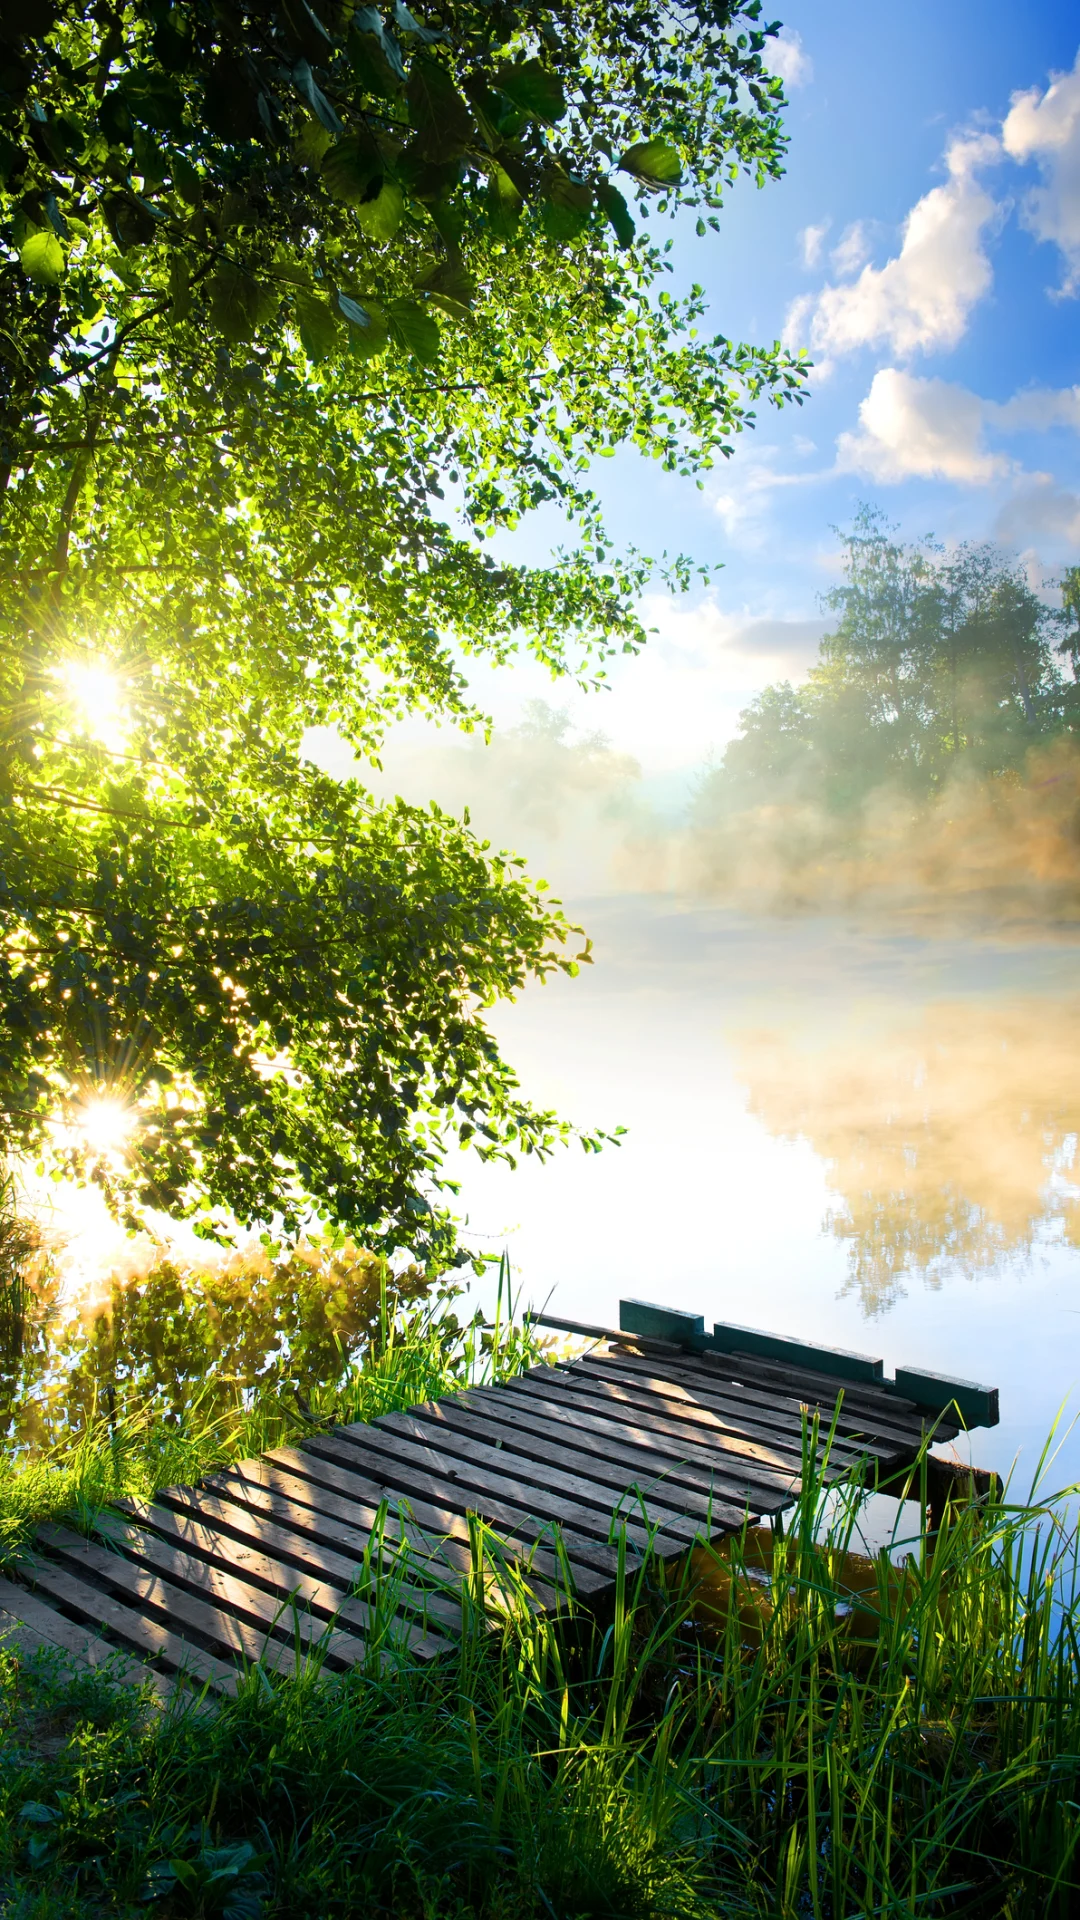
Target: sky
x=924 y=246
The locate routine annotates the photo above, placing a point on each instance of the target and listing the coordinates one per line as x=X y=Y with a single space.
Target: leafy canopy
x=304 y=304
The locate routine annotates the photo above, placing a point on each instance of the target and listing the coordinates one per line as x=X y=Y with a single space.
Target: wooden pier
x=671 y=1433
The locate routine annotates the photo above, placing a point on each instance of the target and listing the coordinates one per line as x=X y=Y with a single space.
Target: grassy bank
x=786 y=1753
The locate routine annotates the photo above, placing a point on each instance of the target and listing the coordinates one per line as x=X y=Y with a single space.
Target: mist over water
x=859 y=1133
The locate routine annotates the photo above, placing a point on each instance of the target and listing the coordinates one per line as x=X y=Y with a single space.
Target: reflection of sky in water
x=862 y=1138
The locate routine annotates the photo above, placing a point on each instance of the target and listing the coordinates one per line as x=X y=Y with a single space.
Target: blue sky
x=925 y=246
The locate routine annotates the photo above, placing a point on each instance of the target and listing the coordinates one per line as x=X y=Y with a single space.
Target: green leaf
x=617 y=212
x=155 y=100
x=37 y=1813
x=238 y=303
x=381 y=217
x=504 y=201
x=369 y=329
x=535 y=89
x=443 y=123
x=567 y=204
x=179 y=288
x=309 y=90
x=351 y=167
x=42 y=257
x=311 y=142
x=129 y=220
x=654 y=162
x=186 y=180
x=353 y=311
x=451 y=280
x=415 y=329
x=318 y=325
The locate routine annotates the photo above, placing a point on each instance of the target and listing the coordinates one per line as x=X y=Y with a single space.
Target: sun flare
x=104 y=1124
x=97 y=693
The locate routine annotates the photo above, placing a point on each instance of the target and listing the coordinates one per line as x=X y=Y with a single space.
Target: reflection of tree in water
x=196 y=1340
x=941 y=1134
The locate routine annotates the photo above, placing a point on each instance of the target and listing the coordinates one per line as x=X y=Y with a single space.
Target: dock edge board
x=976 y=1405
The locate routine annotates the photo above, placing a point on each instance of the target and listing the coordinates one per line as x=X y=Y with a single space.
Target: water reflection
x=186 y=1339
x=949 y=1134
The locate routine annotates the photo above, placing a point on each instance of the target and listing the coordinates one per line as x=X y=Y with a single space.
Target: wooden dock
x=672 y=1434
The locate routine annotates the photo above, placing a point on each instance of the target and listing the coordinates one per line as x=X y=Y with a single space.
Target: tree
x=938 y=661
x=304 y=304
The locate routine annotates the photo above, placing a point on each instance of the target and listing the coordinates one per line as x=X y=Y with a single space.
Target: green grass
x=918 y=1758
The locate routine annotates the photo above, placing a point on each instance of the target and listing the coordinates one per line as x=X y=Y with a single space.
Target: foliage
x=302 y=306
x=772 y=1753
x=938 y=663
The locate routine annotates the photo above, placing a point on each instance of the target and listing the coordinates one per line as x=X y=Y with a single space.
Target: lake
x=862 y=1135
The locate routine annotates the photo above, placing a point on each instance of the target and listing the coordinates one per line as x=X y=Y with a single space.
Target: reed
x=747 y=1733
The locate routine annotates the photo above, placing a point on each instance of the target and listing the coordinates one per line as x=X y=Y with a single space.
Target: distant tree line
x=939 y=661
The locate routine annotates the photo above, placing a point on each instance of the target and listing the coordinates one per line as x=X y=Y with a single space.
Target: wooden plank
x=27 y=1622
x=225 y=1629
x=702 y=1433
x=481 y=1469
x=246 y=1502
x=698 y=1463
x=651 y=1402
x=770 y=1405
x=585 y=1451
x=745 y=1366
x=854 y=1436
x=150 y=1637
x=785 y=1385
x=269 y=1479
x=442 y=1601
x=837 y=1362
x=340 y=1468
x=978 y=1406
x=247 y=1582
x=259 y=1538
x=660 y=1323
x=542 y=1477
x=412 y=1470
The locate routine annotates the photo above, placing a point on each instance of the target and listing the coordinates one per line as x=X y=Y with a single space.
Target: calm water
x=863 y=1137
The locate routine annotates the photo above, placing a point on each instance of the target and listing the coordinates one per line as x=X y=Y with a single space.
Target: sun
x=97 y=693
x=104 y=1124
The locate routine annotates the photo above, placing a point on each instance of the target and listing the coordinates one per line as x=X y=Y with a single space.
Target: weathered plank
x=148 y=1636
x=526 y=1478
x=28 y=1623
x=855 y=1436
x=413 y=1471
x=683 y=1458
x=520 y=1437
x=269 y=1556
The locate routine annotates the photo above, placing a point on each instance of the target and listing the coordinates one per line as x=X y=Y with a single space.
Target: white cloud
x=1046 y=127
x=921 y=298
x=811 y=241
x=911 y=428
x=852 y=251
x=787 y=57
x=1037 y=410
x=928 y=429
